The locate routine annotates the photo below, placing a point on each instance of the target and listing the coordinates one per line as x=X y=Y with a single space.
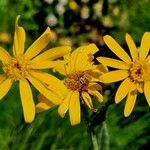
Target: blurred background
x=74 y=23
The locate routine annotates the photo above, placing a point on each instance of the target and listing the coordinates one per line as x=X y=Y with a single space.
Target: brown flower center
x=139 y=71
x=77 y=81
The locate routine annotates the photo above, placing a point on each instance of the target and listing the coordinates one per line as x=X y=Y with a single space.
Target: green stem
x=103 y=137
x=90 y=130
x=94 y=140
x=100 y=116
x=97 y=119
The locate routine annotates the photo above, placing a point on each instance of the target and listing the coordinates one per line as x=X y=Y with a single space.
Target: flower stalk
x=97 y=119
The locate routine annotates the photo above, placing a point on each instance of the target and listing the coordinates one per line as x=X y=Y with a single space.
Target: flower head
x=25 y=67
x=134 y=70
x=80 y=82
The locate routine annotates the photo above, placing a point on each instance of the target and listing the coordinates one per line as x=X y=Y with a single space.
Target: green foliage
x=132 y=132
x=49 y=131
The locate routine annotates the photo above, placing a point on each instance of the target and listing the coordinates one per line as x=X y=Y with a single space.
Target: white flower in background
x=116 y=11
x=51 y=20
x=84 y=1
x=107 y=21
x=85 y=12
x=63 y=2
x=60 y=9
x=98 y=9
x=49 y=1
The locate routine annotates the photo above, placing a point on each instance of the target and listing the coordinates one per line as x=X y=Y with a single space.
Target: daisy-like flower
x=81 y=81
x=134 y=70
x=25 y=68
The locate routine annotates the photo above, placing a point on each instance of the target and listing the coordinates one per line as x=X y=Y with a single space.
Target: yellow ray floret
x=134 y=71
x=24 y=66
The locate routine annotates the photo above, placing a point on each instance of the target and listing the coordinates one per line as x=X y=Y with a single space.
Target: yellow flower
x=73 y=5
x=134 y=71
x=5 y=37
x=81 y=81
x=25 y=68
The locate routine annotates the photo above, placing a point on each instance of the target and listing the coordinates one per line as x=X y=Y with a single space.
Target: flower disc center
x=139 y=71
x=17 y=68
x=77 y=81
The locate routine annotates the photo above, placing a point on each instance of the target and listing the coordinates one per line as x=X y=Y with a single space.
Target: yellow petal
x=19 y=39
x=52 y=53
x=67 y=67
x=17 y=19
x=131 y=99
x=116 y=49
x=132 y=47
x=113 y=63
x=85 y=56
x=4 y=56
x=123 y=90
x=87 y=99
x=60 y=67
x=46 y=64
x=97 y=94
x=114 y=76
x=2 y=78
x=45 y=77
x=72 y=60
x=74 y=109
x=43 y=99
x=148 y=59
x=40 y=107
x=5 y=87
x=145 y=46
x=44 y=90
x=92 y=48
x=94 y=74
x=44 y=104
x=140 y=87
x=54 y=84
x=81 y=57
x=147 y=92
x=27 y=101
x=38 y=45
x=94 y=86
x=102 y=68
x=64 y=106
